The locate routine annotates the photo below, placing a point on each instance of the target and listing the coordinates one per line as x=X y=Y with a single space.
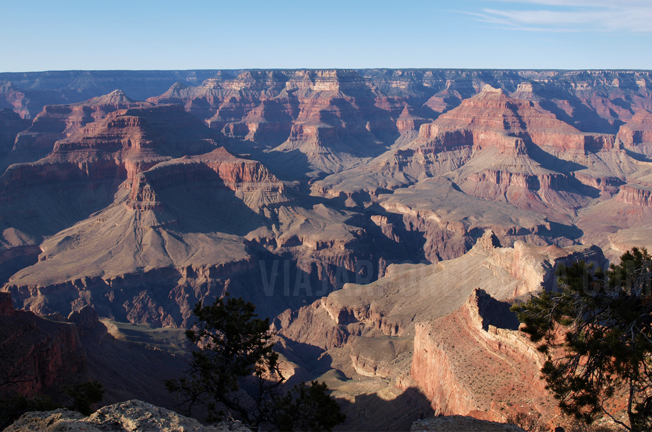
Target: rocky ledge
x=475 y=362
x=132 y=415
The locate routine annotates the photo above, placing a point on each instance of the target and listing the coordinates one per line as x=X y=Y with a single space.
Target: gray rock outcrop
x=132 y=415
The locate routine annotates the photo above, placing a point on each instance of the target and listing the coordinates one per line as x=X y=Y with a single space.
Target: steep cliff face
x=635 y=194
x=381 y=331
x=6 y=305
x=517 y=149
x=57 y=122
x=636 y=134
x=10 y=125
x=37 y=354
x=471 y=363
x=327 y=118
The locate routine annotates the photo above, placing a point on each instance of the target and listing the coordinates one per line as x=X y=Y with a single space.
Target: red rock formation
x=498 y=121
x=14 y=99
x=408 y=121
x=636 y=134
x=635 y=194
x=117 y=147
x=57 y=122
x=218 y=167
x=637 y=130
x=36 y=354
x=466 y=365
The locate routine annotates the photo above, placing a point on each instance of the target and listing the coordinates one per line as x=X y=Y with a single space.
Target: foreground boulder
x=125 y=416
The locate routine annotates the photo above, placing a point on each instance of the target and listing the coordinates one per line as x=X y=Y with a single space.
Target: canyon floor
x=384 y=220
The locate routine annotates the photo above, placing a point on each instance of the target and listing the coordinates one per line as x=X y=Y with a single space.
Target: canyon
x=382 y=219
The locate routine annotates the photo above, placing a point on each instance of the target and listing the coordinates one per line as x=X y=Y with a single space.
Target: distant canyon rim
x=383 y=219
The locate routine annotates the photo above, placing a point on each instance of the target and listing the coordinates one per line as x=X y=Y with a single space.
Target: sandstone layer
x=284 y=186
x=470 y=363
x=370 y=339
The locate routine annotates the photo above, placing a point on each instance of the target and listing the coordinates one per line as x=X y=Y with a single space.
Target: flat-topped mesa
x=496 y=120
x=57 y=122
x=218 y=168
x=636 y=194
x=525 y=90
x=116 y=132
x=119 y=146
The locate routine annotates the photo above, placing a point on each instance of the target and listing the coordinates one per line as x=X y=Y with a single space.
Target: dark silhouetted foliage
x=597 y=333
x=235 y=371
x=308 y=409
x=84 y=395
x=12 y=408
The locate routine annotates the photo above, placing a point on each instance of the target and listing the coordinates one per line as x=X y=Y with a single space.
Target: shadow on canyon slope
x=637 y=156
x=371 y=412
x=551 y=162
x=582 y=117
x=131 y=370
x=379 y=411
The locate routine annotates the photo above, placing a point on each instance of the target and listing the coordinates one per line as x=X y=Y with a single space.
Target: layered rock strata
x=468 y=363
x=375 y=333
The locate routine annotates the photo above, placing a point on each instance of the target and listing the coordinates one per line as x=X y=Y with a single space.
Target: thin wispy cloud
x=571 y=15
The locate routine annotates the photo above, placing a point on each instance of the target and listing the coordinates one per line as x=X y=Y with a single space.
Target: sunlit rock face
x=359 y=209
x=341 y=173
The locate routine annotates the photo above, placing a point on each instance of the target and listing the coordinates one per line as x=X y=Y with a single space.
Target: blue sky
x=215 y=34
